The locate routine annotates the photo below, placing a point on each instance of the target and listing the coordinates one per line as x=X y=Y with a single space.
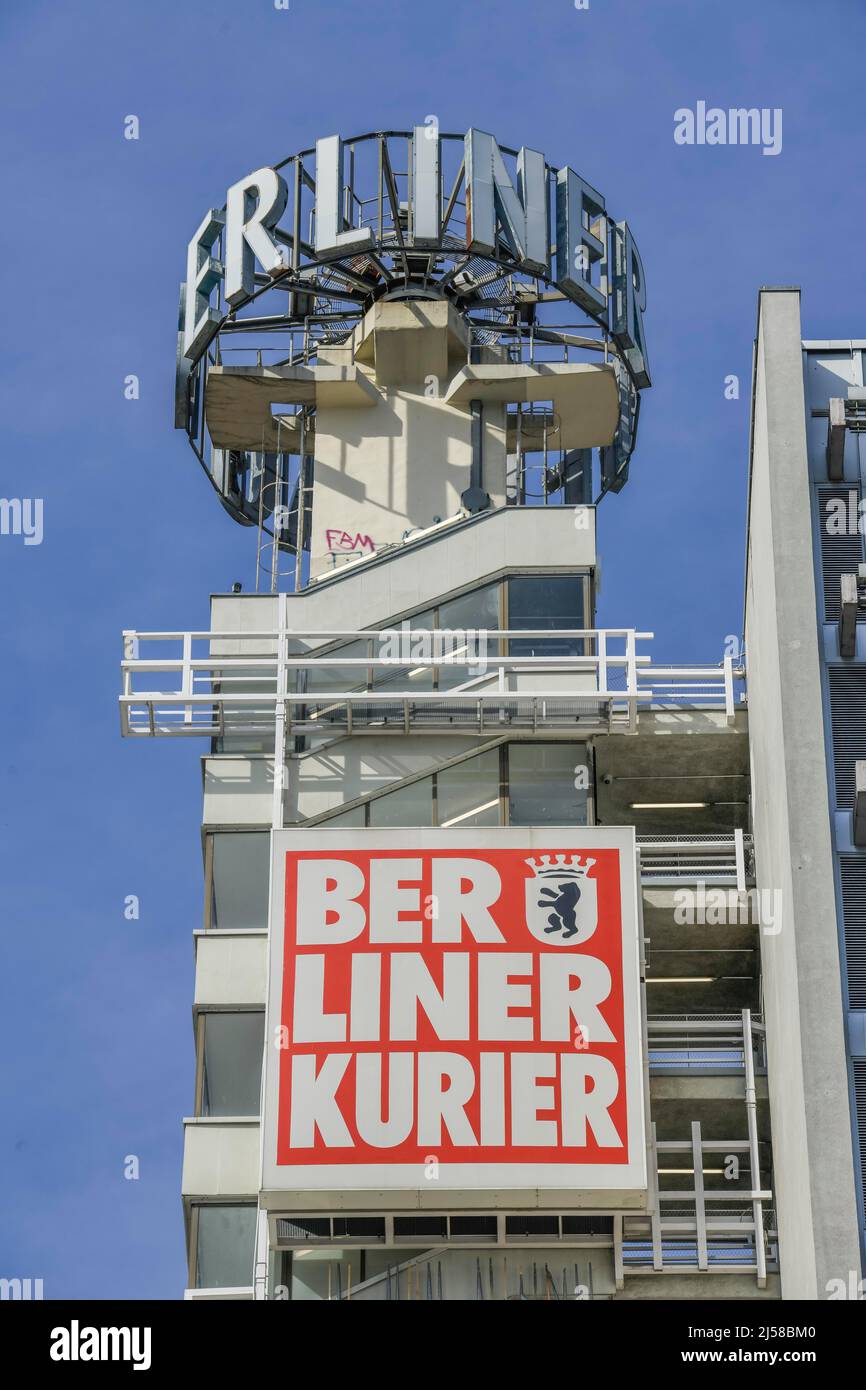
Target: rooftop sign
x=299 y=251
x=594 y=261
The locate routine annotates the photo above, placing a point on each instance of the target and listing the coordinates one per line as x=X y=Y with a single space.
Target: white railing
x=405 y=680
x=714 y=859
x=703 y=1043
x=697 y=1226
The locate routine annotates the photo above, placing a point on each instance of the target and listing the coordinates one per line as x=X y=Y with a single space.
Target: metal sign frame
x=300 y=251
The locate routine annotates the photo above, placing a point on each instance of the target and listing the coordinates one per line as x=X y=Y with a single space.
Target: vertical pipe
x=280 y=715
x=410 y=191
x=700 y=1203
x=740 y=859
x=656 y=1216
x=754 y=1152
x=475 y=472
x=260 y=1278
x=521 y=464
x=260 y=532
x=296 y=231
x=275 y=549
x=631 y=680
x=302 y=512
x=729 y=689
x=187 y=675
x=618 y=1270
x=348 y=215
x=381 y=178
x=602 y=662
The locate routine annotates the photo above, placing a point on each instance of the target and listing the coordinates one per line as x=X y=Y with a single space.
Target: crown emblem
x=559 y=866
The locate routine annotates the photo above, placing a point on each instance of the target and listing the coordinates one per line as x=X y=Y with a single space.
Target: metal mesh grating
x=860 y=1098
x=852 y=868
x=839 y=554
x=848 y=716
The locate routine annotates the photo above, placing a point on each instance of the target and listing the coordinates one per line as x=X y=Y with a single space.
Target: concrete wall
x=238 y=791
x=814 y=1175
x=376 y=591
x=403 y=464
x=231 y=968
x=404 y=461
x=221 y=1158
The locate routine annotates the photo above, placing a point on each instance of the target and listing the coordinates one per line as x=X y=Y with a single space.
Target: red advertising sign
x=464 y=999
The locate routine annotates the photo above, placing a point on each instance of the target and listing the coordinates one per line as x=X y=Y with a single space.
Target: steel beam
x=836 y=440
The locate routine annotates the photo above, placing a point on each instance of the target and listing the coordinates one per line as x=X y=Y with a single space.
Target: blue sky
x=95 y=1011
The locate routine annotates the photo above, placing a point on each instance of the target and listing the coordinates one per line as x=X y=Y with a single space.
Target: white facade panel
x=221 y=1158
x=238 y=791
x=230 y=968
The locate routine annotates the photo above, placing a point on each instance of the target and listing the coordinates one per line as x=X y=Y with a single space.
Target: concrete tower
x=427 y=772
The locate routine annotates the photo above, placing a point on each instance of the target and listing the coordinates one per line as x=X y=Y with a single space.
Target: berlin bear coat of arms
x=561 y=899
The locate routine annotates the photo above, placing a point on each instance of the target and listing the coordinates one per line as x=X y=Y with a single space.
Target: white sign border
x=617 y=1180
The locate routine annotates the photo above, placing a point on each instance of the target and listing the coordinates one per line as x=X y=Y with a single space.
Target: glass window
x=241 y=744
x=468 y=793
x=241 y=869
x=546 y=601
x=480 y=608
x=225 y=1251
x=465 y=617
x=329 y=678
x=411 y=805
x=399 y=647
x=352 y=818
x=232 y=1063
x=541 y=778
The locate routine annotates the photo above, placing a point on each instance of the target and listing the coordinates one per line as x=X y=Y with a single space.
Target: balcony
x=300 y=683
x=667 y=861
x=707 y=1044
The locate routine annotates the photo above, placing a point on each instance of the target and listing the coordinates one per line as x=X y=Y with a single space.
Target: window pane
x=226 y=1247
x=468 y=794
x=328 y=678
x=545 y=601
x=408 y=806
x=241 y=867
x=233 y=1046
x=466 y=617
x=351 y=818
x=241 y=744
x=541 y=788
x=399 y=648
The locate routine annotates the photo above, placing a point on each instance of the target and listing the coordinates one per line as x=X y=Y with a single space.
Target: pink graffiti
x=342 y=540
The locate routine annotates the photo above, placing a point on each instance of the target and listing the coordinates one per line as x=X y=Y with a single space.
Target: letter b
x=327 y=912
